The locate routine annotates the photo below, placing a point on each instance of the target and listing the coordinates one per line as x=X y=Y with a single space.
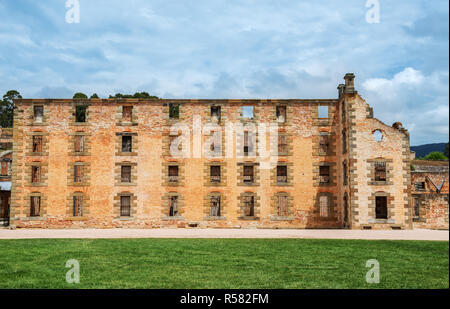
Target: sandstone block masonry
x=110 y=163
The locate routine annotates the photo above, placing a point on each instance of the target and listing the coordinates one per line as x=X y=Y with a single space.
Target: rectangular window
x=174 y=111
x=381 y=207
x=215 y=114
x=80 y=113
x=380 y=171
x=215 y=206
x=77 y=206
x=248 y=112
x=248 y=174
x=173 y=173
x=127 y=143
x=416 y=214
x=37 y=143
x=38 y=114
x=4 y=170
x=35 y=206
x=248 y=145
x=125 y=206
x=125 y=172
x=282 y=174
x=324 y=142
x=249 y=206
x=127 y=113
x=323 y=112
x=35 y=174
x=282 y=144
x=173 y=206
x=215 y=174
x=420 y=186
x=283 y=210
x=324 y=174
x=78 y=173
x=344 y=141
x=281 y=114
x=324 y=206
x=344 y=167
x=79 y=143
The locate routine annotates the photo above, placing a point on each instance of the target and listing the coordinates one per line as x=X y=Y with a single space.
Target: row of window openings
x=79 y=142
x=174 y=113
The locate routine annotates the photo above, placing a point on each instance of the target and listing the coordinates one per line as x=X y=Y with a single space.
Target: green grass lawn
x=223 y=263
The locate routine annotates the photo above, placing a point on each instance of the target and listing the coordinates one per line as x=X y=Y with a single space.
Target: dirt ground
x=416 y=234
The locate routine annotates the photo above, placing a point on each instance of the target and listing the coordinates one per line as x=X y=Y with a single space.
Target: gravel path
x=417 y=234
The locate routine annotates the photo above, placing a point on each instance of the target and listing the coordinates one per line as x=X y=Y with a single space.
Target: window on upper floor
x=248 y=173
x=80 y=113
x=79 y=143
x=215 y=114
x=125 y=173
x=324 y=142
x=380 y=171
x=78 y=173
x=419 y=186
x=215 y=174
x=281 y=174
x=324 y=174
x=323 y=111
x=174 y=111
x=127 y=113
x=173 y=173
x=38 y=114
x=127 y=143
x=37 y=143
x=281 y=114
x=35 y=174
x=248 y=112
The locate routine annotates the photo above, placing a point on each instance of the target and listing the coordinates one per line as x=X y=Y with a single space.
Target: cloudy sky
x=236 y=49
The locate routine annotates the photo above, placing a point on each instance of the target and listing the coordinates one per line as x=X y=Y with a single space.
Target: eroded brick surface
x=349 y=127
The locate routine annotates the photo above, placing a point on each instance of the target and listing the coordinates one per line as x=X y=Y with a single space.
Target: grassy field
x=223 y=263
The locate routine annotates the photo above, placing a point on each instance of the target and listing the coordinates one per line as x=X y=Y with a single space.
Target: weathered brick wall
x=150 y=159
x=363 y=150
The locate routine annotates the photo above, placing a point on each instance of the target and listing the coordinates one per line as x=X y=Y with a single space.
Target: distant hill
x=423 y=150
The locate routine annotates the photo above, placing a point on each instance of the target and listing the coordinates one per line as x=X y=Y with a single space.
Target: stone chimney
x=341 y=89
x=349 y=83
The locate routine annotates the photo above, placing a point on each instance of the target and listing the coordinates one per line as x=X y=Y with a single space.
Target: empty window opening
x=248 y=112
x=125 y=206
x=79 y=143
x=281 y=114
x=35 y=174
x=248 y=144
x=282 y=144
x=77 y=206
x=345 y=209
x=173 y=173
x=215 y=174
x=249 y=206
x=127 y=113
x=381 y=207
x=37 y=143
x=174 y=111
x=38 y=114
x=78 y=173
x=343 y=112
x=215 y=114
x=378 y=135
x=324 y=174
x=80 y=113
x=282 y=174
x=283 y=209
x=248 y=173
x=176 y=140
x=35 y=206
x=125 y=173
x=344 y=141
x=323 y=112
x=420 y=186
x=324 y=206
x=416 y=208
x=324 y=142
x=215 y=206
x=5 y=168
x=380 y=171
x=127 y=143
x=344 y=168
x=173 y=206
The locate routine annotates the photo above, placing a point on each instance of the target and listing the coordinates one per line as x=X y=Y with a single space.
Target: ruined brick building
x=110 y=163
x=430 y=193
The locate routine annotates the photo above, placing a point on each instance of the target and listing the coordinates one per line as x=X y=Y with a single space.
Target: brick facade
x=138 y=133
